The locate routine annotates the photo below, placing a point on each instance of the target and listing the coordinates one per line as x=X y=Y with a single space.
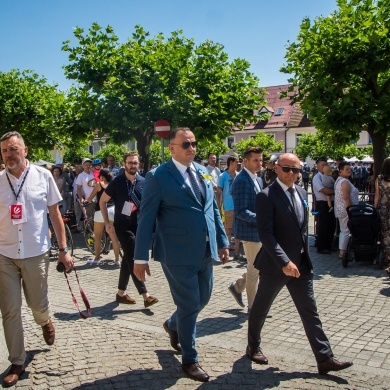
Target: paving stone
x=127 y=347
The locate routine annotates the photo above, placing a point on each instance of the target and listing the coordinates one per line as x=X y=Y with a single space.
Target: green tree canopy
x=264 y=141
x=129 y=86
x=318 y=145
x=75 y=154
x=341 y=64
x=115 y=150
x=46 y=117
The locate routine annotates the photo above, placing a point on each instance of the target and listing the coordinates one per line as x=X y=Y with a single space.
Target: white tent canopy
x=352 y=159
x=368 y=159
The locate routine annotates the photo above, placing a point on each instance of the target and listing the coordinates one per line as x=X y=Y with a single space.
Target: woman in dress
x=382 y=203
x=346 y=194
x=98 y=222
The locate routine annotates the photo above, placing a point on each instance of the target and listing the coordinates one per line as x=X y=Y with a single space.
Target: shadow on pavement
x=30 y=357
x=215 y=325
x=104 y=312
x=242 y=374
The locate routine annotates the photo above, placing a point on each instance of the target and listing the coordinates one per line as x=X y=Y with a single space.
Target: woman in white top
x=345 y=194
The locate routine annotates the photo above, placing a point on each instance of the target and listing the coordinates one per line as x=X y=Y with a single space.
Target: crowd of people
x=191 y=214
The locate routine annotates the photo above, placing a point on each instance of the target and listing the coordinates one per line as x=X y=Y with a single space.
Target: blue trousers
x=191 y=288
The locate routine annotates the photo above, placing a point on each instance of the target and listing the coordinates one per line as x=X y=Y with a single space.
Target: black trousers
x=302 y=294
x=126 y=237
x=326 y=226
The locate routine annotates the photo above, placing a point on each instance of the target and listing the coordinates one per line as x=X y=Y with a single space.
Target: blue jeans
x=191 y=288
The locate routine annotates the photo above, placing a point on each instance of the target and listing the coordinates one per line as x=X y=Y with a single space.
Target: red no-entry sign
x=162 y=128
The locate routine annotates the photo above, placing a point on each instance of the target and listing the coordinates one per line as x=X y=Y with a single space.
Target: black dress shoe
x=256 y=355
x=13 y=375
x=332 y=364
x=195 y=371
x=173 y=336
x=237 y=296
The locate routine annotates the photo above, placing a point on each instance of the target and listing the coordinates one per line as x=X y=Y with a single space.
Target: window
x=230 y=142
x=297 y=137
x=279 y=111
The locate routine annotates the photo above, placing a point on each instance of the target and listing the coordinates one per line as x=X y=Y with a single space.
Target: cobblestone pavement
x=125 y=347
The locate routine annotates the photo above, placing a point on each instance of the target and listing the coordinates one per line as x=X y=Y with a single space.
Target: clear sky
x=32 y=31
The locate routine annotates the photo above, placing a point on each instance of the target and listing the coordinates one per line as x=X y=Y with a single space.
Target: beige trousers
x=31 y=273
x=250 y=279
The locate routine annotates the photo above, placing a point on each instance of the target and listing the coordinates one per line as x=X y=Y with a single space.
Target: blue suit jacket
x=182 y=224
x=244 y=196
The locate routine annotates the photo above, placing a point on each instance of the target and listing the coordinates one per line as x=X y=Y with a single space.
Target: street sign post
x=162 y=128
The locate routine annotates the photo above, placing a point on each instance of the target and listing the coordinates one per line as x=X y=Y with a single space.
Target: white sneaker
x=90 y=260
x=117 y=263
x=96 y=262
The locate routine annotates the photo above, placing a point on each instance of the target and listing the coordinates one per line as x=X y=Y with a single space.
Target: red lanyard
x=83 y=296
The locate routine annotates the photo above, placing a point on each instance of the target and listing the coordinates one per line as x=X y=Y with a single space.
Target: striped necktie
x=195 y=186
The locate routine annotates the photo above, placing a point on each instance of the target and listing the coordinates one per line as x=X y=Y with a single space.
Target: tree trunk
x=379 y=150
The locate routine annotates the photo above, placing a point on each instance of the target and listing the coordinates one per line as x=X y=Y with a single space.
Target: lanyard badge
x=16 y=211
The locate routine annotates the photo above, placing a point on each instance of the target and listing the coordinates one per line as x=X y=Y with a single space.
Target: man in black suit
x=284 y=260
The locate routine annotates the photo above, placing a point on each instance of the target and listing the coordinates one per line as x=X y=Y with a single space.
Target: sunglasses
x=286 y=169
x=187 y=144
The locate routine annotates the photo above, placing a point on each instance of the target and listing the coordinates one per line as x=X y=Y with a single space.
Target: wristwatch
x=65 y=250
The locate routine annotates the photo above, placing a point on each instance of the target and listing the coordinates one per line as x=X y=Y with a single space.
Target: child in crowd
x=328 y=182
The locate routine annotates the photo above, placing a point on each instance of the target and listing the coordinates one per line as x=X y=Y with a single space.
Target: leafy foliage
x=265 y=141
x=45 y=117
x=207 y=146
x=155 y=152
x=75 y=155
x=129 y=86
x=112 y=150
x=341 y=64
x=317 y=145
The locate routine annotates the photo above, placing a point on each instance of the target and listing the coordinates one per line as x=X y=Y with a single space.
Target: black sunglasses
x=187 y=144
x=288 y=169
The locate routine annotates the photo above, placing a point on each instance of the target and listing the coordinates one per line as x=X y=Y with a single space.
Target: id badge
x=16 y=214
x=127 y=208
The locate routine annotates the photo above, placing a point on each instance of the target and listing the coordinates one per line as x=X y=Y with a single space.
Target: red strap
x=83 y=296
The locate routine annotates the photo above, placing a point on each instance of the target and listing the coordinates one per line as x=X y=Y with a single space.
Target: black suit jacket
x=283 y=238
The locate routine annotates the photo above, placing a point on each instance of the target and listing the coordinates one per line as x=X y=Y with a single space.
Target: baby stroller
x=364 y=235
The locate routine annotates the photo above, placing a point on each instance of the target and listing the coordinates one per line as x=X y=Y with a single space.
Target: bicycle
x=54 y=241
x=89 y=237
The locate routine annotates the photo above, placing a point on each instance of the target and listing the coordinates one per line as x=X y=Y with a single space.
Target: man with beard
x=179 y=201
x=125 y=190
x=27 y=193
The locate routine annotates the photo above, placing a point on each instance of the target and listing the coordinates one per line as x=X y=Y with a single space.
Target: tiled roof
x=291 y=115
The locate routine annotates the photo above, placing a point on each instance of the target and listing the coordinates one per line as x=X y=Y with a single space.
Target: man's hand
x=139 y=271
x=66 y=259
x=224 y=255
x=290 y=269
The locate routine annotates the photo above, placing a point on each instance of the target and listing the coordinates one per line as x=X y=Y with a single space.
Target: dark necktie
x=292 y=190
x=195 y=186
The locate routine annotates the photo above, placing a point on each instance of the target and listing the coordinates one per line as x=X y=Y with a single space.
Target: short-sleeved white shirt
x=82 y=180
x=317 y=186
x=39 y=191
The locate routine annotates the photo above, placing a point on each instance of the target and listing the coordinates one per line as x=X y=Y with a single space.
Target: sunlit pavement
x=122 y=347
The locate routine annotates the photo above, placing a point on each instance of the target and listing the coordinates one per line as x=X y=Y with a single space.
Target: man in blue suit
x=178 y=200
x=244 y=190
